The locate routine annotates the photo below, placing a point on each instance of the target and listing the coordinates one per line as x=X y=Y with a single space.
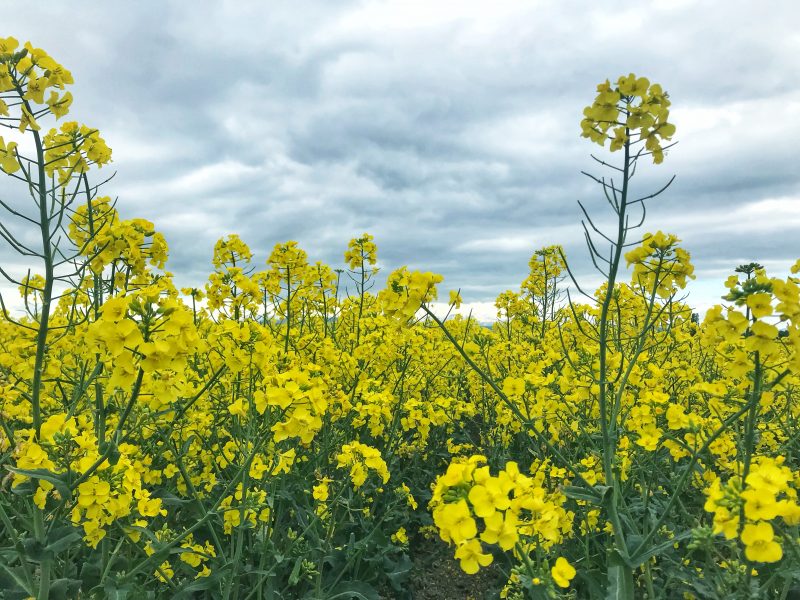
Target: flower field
x=290 y=429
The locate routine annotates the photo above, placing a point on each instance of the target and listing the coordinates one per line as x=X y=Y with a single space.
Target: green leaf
x=45 y=475
x=398 y=571
x=644 y=556
x=90 y=573
x=294 y=577
x=200 y=584
x=34 y=549
x=169 y=499
x=592 y=580
x=63 y=589
x=595 y=495
x=347 y=590
x=9 y=577
x=113 y=592
x=61 y=538
x=620 y=579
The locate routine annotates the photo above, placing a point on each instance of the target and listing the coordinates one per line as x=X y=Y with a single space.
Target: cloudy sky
x=447 y=129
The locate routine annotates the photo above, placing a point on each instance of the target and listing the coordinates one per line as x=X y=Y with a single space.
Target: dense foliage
x=282 y=431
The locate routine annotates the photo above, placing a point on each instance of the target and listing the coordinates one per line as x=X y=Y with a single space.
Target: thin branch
x=605 y=164
x=588 y=218
x=654 y=194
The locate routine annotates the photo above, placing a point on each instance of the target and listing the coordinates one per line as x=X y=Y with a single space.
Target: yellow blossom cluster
x=240 y=433
x=406 y=291
x=361 y=250
x=127 y=247
x=107 y=493
x=361 y=459
x=769 y=492
x=631 y=111
x=244 y=509
x=515 y=511
x=660 y=265
x=36 y=73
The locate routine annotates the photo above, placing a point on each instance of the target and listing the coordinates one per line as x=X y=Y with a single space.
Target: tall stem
x=47 y=292
x=288 y=308
x=608 y=425
x=41 y=344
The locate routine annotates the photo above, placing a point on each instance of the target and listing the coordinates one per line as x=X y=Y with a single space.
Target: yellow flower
x=93 y=533
x=759 y=505
x=8 y=157
x=321 y=491
x=400 y=536
x=501 y=531
x=620 y=137
x=763 y=338
x=769 y=476
x=455 y=522
x=360 y=250
x=40 y=497
x=157 y=355
x=676 y=417
x=33 y=457
x=59 y=106
x=6 y=81
x=238 y=407
x=27 y=120
x=760 y=305
x=634 y=108
x=514 y=387
x=456 y=473
x=455 y=298
x=759 y=543
x=471 y=557
x=562 y=572
x=361 y=459
x=8 y=45
x=633 y=86
x=409 y=497
x=55 y=424
x=119 y=335
x=406 y=291
x=258 y=467
x=150 y=507
x=36 y=88
x=649 y=438
x=790 y=512
x=488 y=497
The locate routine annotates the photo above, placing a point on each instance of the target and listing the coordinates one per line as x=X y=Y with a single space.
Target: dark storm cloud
x=449 y=130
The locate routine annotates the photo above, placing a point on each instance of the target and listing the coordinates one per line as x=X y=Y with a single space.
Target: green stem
x=608 y=427
x=47 y=292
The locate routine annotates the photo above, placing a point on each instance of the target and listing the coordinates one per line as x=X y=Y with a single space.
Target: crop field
x=288 y=429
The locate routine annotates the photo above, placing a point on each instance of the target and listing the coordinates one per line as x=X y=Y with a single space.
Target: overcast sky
x=448 y=130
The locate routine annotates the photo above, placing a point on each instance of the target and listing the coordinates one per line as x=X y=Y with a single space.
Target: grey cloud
x=448 y=130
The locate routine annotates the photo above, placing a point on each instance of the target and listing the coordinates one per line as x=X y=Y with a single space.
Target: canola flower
x=251 y=430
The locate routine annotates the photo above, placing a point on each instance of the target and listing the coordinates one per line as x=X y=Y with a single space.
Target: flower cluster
x=631 y=112
x=361 y=459
x=361 y=250
x=515 y=511
x=406 y=291
x=660 y=265
x=765 y=496
x=240 y=435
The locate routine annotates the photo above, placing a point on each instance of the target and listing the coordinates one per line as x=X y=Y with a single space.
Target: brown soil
x=436 y=575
